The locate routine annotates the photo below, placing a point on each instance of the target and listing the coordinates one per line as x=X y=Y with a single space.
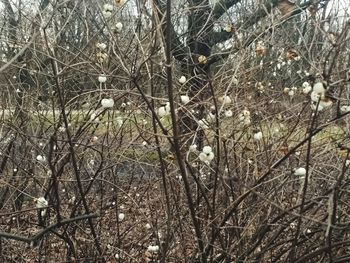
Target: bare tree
x=174 y=131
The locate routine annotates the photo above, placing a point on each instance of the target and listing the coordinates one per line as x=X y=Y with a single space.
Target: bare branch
x=36 y=238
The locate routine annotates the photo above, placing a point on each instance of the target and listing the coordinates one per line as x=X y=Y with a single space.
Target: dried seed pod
x=292 y=54
x=286 y=7
x=260 y=48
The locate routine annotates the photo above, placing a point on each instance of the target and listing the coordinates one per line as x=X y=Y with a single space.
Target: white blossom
x=228 y=28
x=286 y=90
x=318 y=97
x=228 y=113
x=108 y=7
x=102 y=78
x=101 y=57
x=258 y=136
x=207 y=149
x=107 y=14
x=319 y=88
x=220 y=46
x=164 y=110
x=306 y=87
x=42 y=203
x=260 y=87
x=206 y=155
x=301 y=171
x=347 y=162
x=121 y=216
x=193 y=147
x=107 y=10
x=107 y=103
x=184 y=99
x=345 y=108
x=119 y=26
x=101 y=46
x=40 y=158
x=202 y=59
x=315 y=97
x=182 y=79
x=153 y=248
x=292 y=91
x=244 y=117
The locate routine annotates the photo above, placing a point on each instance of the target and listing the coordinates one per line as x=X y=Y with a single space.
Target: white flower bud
x=153 y=248
x=228 y=113
x=319 y=88
x=193 y=147
x=41 y=202
x=107 y=103
x=207 y=149
x=119 y=26
x=102 y=78
x=121 y=216
x=40 y=158
x=345 y=108
x=182 y=79
x=258 y=136
x=301 y=171
x=184 y=99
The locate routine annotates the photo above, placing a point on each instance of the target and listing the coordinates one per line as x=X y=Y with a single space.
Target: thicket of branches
x=174 y=131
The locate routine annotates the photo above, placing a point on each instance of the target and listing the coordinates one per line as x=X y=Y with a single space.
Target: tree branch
x=263 y=177
x=251 y=20
x=222 y=6
x=179 y=51
x=223 y=36
x=35 y=239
